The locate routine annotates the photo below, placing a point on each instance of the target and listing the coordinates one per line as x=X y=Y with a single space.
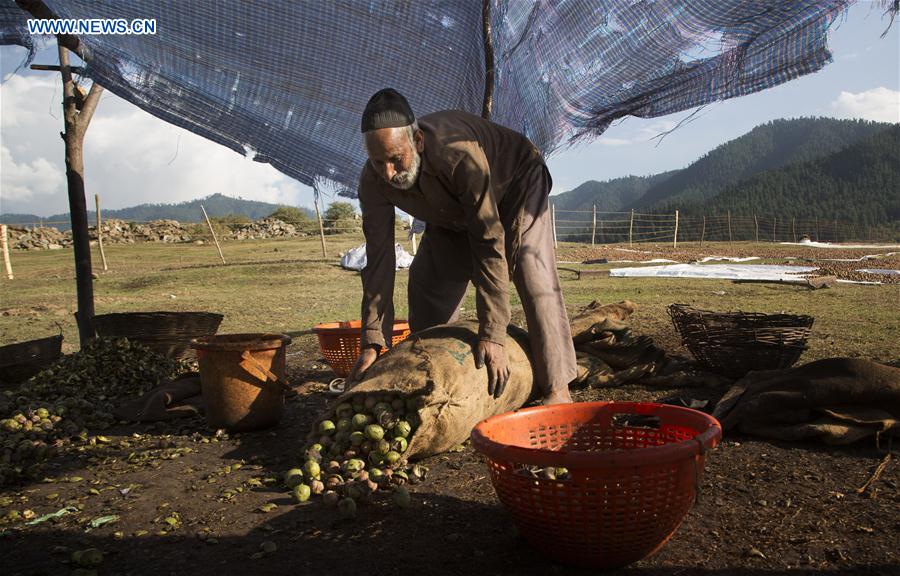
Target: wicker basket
x=23 y=360
x=734 y=343
x=339 y=342
x=168 y=333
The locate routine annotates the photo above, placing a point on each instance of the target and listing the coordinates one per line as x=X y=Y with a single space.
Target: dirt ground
x=189 y=501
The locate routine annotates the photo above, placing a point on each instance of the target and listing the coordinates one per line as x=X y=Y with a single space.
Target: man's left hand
x=494 y=356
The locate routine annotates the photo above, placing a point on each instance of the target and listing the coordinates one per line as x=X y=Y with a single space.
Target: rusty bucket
x=242 y=377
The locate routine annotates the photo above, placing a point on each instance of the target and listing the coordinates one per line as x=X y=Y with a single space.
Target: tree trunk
x=76 y=123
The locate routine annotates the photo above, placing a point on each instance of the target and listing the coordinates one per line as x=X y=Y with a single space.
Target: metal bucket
x=242 y=378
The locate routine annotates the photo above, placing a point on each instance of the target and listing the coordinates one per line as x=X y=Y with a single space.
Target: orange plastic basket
x=339 y=342
x=634 y=472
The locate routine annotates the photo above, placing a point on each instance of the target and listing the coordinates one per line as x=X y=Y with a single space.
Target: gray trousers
x=442 y=268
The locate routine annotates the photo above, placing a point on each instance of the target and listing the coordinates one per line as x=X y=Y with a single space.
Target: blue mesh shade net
x=286 y=82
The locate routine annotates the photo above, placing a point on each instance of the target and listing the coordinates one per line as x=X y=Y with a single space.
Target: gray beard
x=406 y=180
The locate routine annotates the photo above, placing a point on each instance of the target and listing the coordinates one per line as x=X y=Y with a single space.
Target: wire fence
x=577 y=226
x=595 y=227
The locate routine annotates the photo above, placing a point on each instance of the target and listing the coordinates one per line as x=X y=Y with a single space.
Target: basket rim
x=252 y=341
x=341 y=328
x=158 y=313
x=584 y=459
x=689 y=310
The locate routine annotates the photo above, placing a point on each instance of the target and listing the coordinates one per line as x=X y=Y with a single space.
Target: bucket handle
x=252 y=365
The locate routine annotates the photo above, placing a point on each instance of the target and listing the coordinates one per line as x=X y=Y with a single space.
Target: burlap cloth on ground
x=835 y=401
x=178 y=398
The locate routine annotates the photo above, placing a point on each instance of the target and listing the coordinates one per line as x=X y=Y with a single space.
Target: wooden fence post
x=4 y=247
x=675 y=240
x=319 y=218
x=793 y=229
x=553 y=224
x=412 y=233
x=774 y=227
x=630 y=227
x=817 y=227
x=594 y=227
x=730 y=239
x=756 y=225
x=703 y=231
x=100 y=232
x=213 y=232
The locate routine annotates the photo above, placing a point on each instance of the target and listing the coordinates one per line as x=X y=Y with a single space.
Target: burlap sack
x=438 y=365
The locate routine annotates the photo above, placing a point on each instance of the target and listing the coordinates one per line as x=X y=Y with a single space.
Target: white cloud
x=880 y=104
x=28 y=181
x=638 y=132
x=131 y=157
x=604 y=141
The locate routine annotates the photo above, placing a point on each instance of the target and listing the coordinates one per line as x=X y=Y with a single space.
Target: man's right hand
x=367 y=357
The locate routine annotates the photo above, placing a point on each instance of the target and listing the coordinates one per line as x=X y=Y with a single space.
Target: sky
x=132 y=157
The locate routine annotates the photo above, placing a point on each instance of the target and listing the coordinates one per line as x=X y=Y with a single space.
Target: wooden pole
x=834 y=232
x=553 y=224
x=77 y=113
x=756 y=225
x=213 y=232
x=703 y=231
x=730 y=239
x=4 y=247
x=774 y=227
x=817 y=228
x=630 y=227
x=412 y=234
x=100 y=232
x=321 y=226
x=675 y=240
x=487 y=102
x=594 y=226
x=793 y=229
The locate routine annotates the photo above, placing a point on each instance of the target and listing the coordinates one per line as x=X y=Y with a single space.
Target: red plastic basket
x=339 y=343
x=634 y=472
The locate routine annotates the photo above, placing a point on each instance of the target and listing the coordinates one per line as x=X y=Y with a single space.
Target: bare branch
x=90 y=104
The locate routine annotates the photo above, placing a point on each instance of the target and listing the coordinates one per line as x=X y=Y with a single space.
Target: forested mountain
x=859 y=184
x=610 y=196
x=215 y=205
x=766 y=147
x=847 y=170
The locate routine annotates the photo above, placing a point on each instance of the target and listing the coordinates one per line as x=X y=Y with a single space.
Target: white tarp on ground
x=717 y=271
x=888 y=271
x=728 y=259
x=654 y=261
x=355 y=258
x=764 y=272
x=839 y=246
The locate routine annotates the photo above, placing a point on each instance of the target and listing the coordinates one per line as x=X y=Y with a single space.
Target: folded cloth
x=178 y=398
x=836 y=401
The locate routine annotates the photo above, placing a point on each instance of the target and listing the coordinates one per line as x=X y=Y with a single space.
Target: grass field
x=186 y=498
x=287 y=286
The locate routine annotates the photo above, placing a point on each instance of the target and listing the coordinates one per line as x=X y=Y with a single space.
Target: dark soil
x=764 y=509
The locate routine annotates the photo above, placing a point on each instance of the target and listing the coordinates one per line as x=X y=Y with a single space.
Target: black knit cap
x=387 y=108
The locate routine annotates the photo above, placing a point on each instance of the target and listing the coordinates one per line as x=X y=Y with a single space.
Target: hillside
x=766 y=147
x=859 y=184
x=610 y=196
x=215 y=205
x=836 y=169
